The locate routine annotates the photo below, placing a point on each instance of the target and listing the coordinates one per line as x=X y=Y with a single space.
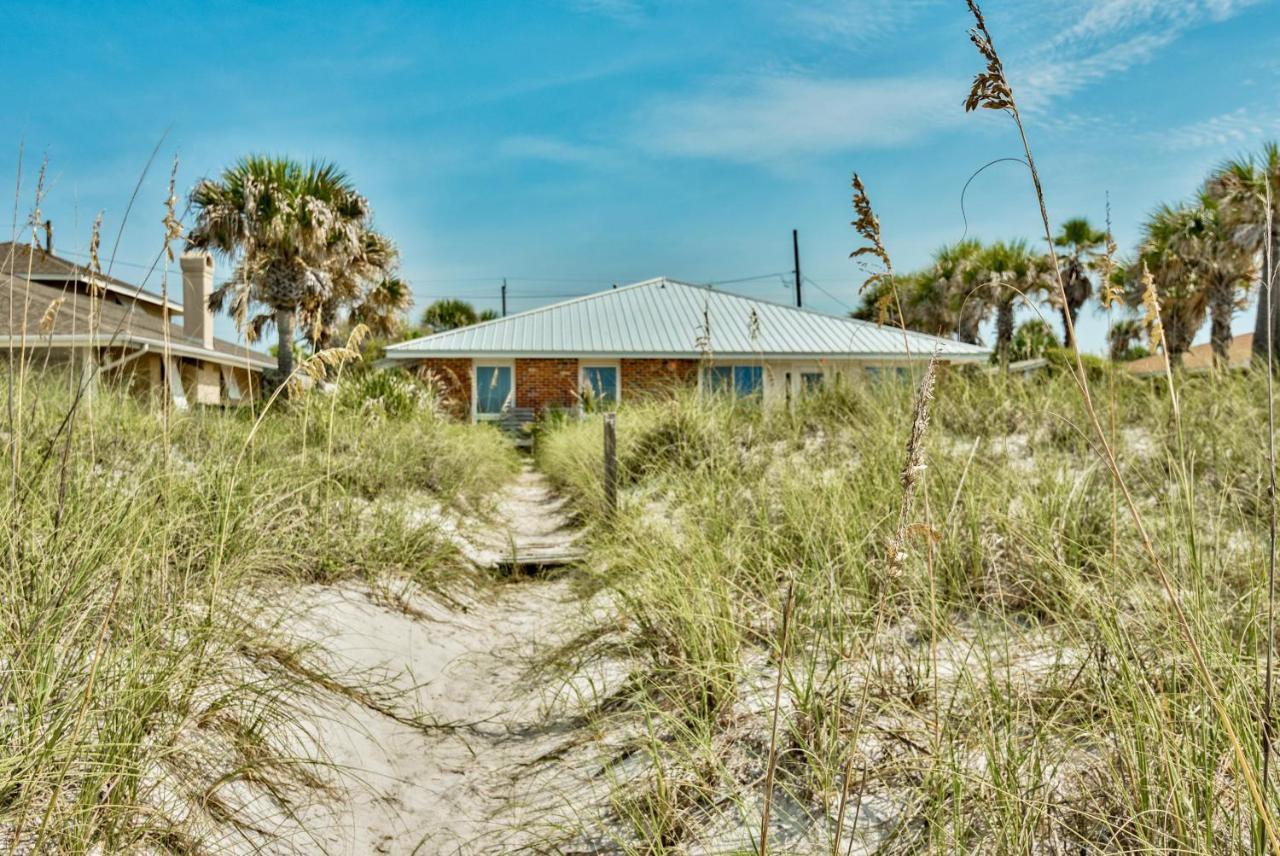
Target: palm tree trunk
x=1220 y=311
x=1068 y=326
x=284 y=355
x=967 y=329
x=1004 y=330
x=1260 y=320
x=1177 y=340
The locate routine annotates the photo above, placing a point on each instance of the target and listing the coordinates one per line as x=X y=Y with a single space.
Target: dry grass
x=1022 y=684
x=141 y=681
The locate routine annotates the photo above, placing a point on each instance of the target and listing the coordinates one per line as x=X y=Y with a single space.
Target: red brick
x=648 y=378
x=543 y=383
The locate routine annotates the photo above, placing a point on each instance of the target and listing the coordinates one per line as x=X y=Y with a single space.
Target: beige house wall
x=783 y=380
x=202 y=382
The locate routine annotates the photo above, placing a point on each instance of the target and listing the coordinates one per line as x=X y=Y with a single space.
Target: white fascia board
x=915 y=356
x=66 y=341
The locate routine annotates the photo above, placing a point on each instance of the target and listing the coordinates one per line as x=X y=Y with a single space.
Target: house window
x=741 y=381
x=898 y=373
x=600 y=384
x=495 y=390
x=810 y=381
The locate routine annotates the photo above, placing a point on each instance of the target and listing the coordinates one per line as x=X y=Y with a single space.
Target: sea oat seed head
x=1151 y=305
x=867 y=225
x=172 y=226
x=51 y=315
x=990 y=88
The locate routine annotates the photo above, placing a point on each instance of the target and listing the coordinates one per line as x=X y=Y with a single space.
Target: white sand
x=468 y=780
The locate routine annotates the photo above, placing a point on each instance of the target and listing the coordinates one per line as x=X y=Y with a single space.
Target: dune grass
x=1017 y=684
x=134 y=692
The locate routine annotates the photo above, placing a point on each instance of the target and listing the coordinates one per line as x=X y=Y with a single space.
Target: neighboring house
x=652 y=336
x=49 y=315
x=1197 y=359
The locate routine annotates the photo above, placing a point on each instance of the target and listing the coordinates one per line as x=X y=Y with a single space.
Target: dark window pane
x=747 y=380
x=493 y=388
x=601 y=382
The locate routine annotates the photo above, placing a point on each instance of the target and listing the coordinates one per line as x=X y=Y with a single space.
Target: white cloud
x=1040 y=81
x=1088 y=41
x=766 y=118
x=849 y=21
x=1100 y=19
x=528 y=147
x=1244 y=126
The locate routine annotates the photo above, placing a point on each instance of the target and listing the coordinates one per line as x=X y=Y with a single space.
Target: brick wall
x=544 y=383
x=643 y=378
x=454 y=376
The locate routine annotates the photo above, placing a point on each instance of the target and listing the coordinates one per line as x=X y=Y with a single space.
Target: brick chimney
x=197 y=284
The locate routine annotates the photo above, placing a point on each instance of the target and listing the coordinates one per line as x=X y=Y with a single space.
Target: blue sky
x=571 y=144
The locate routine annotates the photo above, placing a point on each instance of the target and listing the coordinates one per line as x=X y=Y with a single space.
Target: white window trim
x=583 y=365
x=476 y=415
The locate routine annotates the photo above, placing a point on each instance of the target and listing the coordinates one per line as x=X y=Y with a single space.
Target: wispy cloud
x=1094 y=40
x=852 y=22
x=762 y=119
x=530 y=147
x=1042 y=80
x=770 y=118
x=1242 y=126
x=1103 y=19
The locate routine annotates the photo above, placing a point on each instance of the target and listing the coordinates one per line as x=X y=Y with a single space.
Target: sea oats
x=1151 y=308
x=51 y=315
x=990 y=88
x=867 y=225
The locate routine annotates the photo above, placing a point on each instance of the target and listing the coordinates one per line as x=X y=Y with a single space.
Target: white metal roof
x=665 y=318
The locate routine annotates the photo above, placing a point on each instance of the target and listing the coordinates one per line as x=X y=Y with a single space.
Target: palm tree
x=449 y=314
x=1169 y=250
x=1224 y=267
x=959 y=292
x=1010 y=271
x=1034 y=338
x=918 y=296
x=353 y=281
x=383 y=308
x=288 y=226
x=1081 y=242
x=1244 y=187
x=1123 y=339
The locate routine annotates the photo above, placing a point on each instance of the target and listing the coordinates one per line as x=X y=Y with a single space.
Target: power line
x=828 y=294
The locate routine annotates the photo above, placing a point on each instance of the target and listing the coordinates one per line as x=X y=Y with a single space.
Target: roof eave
x=123 y=290
x=182 y=350
x=921 y=355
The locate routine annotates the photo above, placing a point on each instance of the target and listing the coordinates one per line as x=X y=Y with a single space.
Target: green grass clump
x=1017 y=684
x=136 y=549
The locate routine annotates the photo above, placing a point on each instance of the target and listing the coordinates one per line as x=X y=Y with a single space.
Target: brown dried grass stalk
x=991 y=91
x=788 y=606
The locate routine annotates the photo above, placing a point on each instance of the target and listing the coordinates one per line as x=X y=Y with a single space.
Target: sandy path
x=463 y=781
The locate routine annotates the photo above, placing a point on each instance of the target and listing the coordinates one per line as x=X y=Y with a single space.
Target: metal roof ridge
x=582 y=298
x=858 y=322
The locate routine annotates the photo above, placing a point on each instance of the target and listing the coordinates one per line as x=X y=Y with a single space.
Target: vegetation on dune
x=142 y=687
x=1016 y=683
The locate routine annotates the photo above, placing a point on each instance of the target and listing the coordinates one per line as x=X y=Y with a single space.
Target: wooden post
x=610 y=463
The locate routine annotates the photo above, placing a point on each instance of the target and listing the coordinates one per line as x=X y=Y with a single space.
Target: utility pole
x=795 y=246
x=504 y=297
